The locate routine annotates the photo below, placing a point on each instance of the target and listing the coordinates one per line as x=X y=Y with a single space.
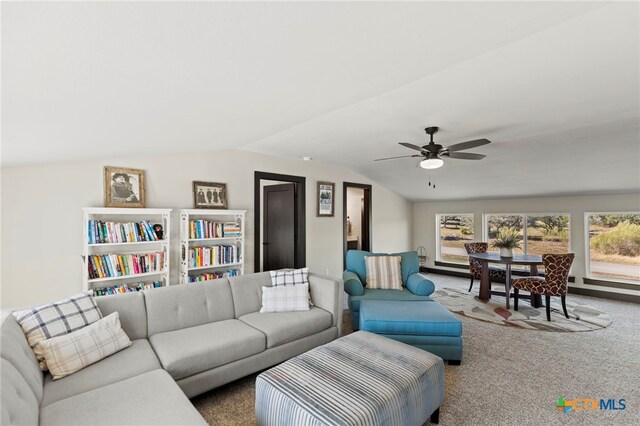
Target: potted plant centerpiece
x=506 y=240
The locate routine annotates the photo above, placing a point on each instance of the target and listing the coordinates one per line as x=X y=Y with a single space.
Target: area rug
x=582 y=317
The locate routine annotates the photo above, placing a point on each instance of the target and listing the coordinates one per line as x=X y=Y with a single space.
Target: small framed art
x=123 y=187
x=209 y=195
x=326 y=198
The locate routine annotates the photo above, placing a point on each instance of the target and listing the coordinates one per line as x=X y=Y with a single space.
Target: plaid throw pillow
x=55 y=319
x=290 y=277
x=383 y=272
x=287 y=298
x=71 y=352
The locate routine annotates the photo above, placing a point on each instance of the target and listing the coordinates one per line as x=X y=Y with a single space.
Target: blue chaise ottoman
x=424 y=324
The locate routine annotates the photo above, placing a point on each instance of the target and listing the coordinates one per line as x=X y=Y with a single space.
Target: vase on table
x=506 y=252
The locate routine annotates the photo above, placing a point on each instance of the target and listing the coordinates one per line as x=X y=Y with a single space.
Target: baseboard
x=605 y=294
x=574 y=290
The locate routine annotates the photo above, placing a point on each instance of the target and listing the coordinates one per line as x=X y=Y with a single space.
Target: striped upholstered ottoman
x=359 y=379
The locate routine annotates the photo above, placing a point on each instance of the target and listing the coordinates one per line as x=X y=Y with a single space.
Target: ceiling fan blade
x=465 y=155
x=468 y=145
x=412 y=146
x=393 y=158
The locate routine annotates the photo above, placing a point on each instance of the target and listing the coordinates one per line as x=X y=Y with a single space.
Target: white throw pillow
x=286 y=298
x=71 y=352
x=56 y=319
x=290 y=277
x=384 y=272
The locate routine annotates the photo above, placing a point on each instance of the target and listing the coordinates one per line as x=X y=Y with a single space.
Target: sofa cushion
x=285 y=298
x=19 y=405
x=183 y=306
x=381 y=294
x=409 y=264
x=247 y=292
x=137 y=359
x=15 y=349
x=289 y=277
x=383 y=272
x=74 y=351
x=152 y=398
x=130 y=306
x=192 y=350
x=55 y=319
x=285 y=327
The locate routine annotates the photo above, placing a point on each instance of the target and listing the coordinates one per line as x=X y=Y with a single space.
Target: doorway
x=356 y=202
x=279 y=222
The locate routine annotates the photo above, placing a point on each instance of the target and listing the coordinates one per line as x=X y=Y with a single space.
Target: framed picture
x=123 y=187
x=209 y=195
x=326 y=197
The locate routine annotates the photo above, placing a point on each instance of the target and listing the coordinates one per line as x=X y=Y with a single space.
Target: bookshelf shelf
x=202 y=234
x=136 y=277
x=129 y=242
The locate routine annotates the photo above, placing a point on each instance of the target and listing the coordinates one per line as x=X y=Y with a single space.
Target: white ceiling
x=554 y=85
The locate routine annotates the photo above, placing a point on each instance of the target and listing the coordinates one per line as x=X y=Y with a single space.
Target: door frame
x=367 y=205
x=299 y=230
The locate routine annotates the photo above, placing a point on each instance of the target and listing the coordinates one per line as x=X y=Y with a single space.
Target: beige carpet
x=509 y=377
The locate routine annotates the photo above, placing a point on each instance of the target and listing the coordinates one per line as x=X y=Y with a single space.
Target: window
x=613 y=251
x=453 y=232
x=543 y=233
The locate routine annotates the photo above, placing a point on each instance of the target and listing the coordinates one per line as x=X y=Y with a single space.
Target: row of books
x=208 y=229
x=99 y=232
x=116 y=265
x=213 y=255
x=213 y=275
x=125 y=288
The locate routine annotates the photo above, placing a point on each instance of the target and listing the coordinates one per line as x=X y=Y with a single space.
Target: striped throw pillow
x=71 y=352
x=56 y=319
x=383 y=272
x=285 y=298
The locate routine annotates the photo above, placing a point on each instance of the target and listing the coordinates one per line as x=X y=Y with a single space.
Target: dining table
x=531 y=260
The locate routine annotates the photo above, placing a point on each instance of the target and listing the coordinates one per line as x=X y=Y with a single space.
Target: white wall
x=42 y=218
x=424 y=219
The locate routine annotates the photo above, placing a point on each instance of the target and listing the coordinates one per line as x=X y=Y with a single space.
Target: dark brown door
x=278 y=246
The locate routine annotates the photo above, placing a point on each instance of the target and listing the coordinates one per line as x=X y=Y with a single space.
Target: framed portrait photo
x=209 y=195
x=123 y=187
x=326 y=198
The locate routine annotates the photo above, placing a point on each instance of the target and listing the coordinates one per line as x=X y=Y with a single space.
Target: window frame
x=525 y=217
x=587 y=251
x=438 y=240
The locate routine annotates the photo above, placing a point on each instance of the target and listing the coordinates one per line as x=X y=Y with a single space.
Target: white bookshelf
x=194 y=238
x=118 y=245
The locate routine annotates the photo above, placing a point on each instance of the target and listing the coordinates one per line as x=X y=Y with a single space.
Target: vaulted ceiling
x=554 y=85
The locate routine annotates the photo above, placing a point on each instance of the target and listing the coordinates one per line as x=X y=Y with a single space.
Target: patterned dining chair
x=554 y=282
x=475 y=266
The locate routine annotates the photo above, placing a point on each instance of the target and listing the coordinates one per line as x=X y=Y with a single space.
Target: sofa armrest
x=419 y=285
x=352 y=284
x=327 y=293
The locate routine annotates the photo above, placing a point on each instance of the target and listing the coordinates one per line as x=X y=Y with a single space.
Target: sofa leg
x=471 y=285
x=435 y=417
x=454 y=362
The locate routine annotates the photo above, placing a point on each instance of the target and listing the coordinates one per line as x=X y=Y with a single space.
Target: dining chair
x=475 y=266
x=554 y=282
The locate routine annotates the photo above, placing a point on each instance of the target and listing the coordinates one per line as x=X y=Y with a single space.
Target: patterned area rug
x=582 y=317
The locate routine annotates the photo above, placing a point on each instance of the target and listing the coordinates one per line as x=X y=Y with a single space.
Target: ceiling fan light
x=431 y=163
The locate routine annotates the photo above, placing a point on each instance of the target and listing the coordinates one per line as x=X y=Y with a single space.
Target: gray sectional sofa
x=186 y=340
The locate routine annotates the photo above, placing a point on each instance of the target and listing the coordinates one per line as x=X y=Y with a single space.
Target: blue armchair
x=414 y=285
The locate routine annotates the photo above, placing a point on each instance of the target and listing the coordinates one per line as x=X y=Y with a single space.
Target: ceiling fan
x=432 y=152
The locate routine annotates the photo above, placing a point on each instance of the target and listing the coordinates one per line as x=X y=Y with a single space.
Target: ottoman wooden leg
x=435 y=417
x=454 y=362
